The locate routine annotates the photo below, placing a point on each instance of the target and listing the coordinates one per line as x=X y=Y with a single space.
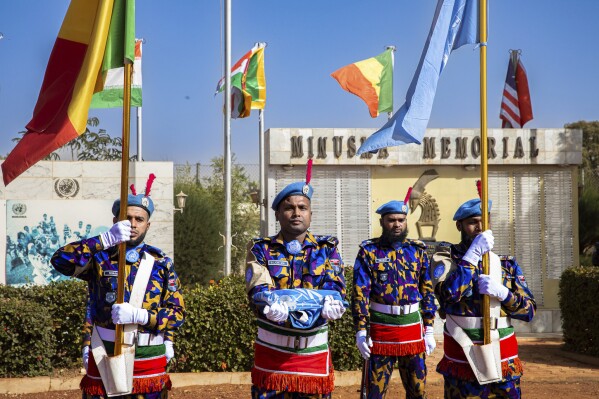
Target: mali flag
x=90 y=29
x=371 y=80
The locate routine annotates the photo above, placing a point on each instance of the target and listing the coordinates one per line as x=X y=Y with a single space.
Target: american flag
x=516 y=108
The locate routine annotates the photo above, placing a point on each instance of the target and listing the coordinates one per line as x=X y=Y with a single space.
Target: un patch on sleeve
x=439 y=270
x=172 y=285
x=522 y=280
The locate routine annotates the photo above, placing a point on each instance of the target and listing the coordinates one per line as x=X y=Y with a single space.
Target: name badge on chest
x=110 y=273
x=382 y=260
x=275 y=262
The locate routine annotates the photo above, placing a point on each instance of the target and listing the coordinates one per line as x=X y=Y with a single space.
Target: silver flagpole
x=227 y=159
x=262 y=191
x=139 y=155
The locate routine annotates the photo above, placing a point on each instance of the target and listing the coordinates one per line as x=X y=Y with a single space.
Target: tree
x=590 y=143
x=199 y=251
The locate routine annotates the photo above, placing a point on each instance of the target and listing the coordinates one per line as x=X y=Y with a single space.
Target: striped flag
x=248 y=83
x=516 y=108
x=90 y=28
x=371 y=80
x=111 y=95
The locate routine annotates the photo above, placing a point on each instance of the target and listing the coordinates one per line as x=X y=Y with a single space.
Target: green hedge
x=218 y=334
x=578 y=302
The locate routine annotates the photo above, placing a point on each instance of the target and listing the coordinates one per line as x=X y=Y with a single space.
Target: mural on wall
x=36 y=229
x=430 y=216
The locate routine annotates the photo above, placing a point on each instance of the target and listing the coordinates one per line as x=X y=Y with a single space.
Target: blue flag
x=455 y=24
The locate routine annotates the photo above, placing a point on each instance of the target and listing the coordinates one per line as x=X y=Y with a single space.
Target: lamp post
x=181 y=198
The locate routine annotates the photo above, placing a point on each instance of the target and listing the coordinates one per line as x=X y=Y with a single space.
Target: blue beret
x=469 y=209
x=139 y=200
x=393 y=207
x=297 y=188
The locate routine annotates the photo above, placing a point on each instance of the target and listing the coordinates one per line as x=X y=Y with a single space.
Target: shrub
x=26 y=344
x=578 y=303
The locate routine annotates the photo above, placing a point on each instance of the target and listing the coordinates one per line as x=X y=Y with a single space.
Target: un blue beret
x=139 y=200
x=469 y=209
x=393 y=207
x=297 y=188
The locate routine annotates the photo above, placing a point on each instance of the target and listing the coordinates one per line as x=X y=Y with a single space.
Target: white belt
x=143 y=339
x=477 y=322
x=292 y=341
x=394 y=309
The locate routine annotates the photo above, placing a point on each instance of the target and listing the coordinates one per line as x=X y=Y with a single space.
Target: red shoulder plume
x=479 y=188
x=309 y=171
x=408 y=194
x=132 y=187
x=149 y=183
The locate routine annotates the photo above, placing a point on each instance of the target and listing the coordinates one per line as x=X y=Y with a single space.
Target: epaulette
x=417 y=243
x=327 y=239
x=369 y=242
x=506 y=257
x=155 y=252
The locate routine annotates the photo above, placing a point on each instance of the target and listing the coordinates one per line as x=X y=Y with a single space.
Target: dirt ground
x=548 y=373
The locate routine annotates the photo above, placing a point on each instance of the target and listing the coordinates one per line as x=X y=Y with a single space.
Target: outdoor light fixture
x=181 y=198
x=255 y=197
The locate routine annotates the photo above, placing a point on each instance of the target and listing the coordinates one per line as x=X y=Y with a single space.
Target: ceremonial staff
x=486 y=310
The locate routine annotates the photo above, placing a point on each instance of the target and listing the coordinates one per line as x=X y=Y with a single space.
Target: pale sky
x=307 y=41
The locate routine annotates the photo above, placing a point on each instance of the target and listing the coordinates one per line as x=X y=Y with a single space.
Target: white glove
x=170 y=351
x=118 y=233
x=488 y=286
x=85 y=356
x=332 y=309
x=482 y=244
x=363 y=345
x=277 y=312
x=124 y=313
x=429 y=339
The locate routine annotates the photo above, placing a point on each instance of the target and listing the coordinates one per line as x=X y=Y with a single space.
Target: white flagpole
x=227 y=155
x=139 y=155
x=262 y=191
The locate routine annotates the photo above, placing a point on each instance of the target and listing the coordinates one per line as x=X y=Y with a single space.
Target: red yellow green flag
x=371 y=80
x=72 y=76
x=248 y=83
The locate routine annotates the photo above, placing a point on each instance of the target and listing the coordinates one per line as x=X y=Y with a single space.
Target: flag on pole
x=248 y=83
x=90 y=28
x=516 y=108
x=371 y=80
x=454 y=25
x=111 y=95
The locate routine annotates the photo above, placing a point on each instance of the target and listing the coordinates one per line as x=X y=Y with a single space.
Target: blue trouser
x=458 y=389
x=412 y=370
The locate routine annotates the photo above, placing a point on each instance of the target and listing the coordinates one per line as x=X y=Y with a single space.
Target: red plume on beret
x=309 y=171
x=479 y=188
x=133 y=191
x=149 y=183
x=408 y=194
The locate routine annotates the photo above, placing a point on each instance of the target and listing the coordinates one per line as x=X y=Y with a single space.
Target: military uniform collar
x=395 y=245
x=310 y=240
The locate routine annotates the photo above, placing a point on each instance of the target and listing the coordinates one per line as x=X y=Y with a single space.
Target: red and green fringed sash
x=455 y=364
x=396 y=335
x=308 y=370
x=149 y=371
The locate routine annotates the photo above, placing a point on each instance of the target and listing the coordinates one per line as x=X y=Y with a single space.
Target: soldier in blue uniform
x=393 y=293
x=459 y=285
x=161 y=310
x=291 y=363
